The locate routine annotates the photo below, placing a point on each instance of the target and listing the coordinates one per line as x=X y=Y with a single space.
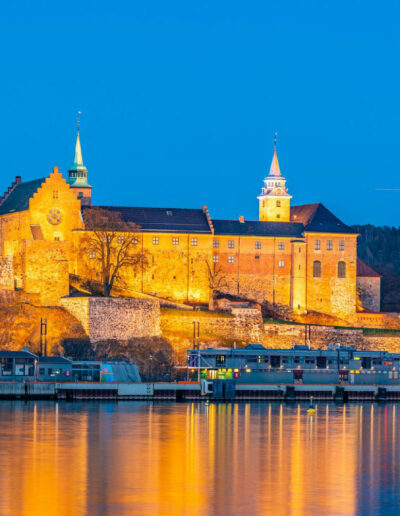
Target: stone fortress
x=302 y=258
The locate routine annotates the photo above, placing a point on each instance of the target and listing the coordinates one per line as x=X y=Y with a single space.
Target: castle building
x=301 y=258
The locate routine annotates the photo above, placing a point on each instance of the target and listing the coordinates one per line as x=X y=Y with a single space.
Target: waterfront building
x=300 y=258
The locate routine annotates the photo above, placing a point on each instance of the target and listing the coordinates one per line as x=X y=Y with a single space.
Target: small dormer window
x=169 y=213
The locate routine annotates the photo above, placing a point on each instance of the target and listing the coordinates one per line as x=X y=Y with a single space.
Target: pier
x=218 y=390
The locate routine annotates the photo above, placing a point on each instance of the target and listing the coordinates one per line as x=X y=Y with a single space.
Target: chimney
x=18 y=179
x=241 y=219
x=55 y=170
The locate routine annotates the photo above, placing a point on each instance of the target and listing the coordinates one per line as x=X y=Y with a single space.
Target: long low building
x=24 y=366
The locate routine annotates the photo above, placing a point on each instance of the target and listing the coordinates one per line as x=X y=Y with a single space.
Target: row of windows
x=317 y=269
x=231 y=259
x=231 y=243
x=257 y=244
x=278 y=204
x=329 y=245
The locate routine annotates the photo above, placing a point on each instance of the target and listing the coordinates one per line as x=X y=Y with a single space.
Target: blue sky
x=180 y=100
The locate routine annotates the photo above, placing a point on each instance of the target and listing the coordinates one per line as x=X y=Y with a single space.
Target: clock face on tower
x=54 y=216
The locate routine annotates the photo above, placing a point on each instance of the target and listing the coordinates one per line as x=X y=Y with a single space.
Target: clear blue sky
x=180 y=100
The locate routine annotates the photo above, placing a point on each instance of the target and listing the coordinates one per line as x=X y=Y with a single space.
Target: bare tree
x=216 y=281
x=111 y=245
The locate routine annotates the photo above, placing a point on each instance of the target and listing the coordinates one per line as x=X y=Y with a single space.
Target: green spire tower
x=77 y=174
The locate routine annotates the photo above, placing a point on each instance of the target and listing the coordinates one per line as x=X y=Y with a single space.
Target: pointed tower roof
x=78 y=161
x=274 y=170
x=77 y=174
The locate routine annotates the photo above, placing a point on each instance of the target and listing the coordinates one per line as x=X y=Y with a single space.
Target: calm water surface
x=171 y=459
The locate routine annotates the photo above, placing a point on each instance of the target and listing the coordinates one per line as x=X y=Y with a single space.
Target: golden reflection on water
x=172 y=459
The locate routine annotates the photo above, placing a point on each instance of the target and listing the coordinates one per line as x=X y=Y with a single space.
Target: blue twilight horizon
x=181 y=100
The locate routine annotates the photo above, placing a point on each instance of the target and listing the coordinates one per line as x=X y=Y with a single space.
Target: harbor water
x=142 y=458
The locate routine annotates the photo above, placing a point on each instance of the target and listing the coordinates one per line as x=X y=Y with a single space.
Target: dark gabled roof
x=257 y=228
x=316 y=218
x=18 y=199
x=54 y=360
x=17 y=354
x=364 y=270
x=167 y=220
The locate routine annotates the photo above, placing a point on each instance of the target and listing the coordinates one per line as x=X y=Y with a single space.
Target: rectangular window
x=215 y=243
x=281 y=246
x=135 y=240
x=216 y=258
x=257 y=257
x=317 y=245
x=6 y=366
x=341 y=245
x=92 y=254
x=257 y=244
x=231 y=244
x=55 y=194
x=278 y=216
x=329 y=245
x=220 y=359
x=281 y=264
x=156 y=241
x=193 y=242
x=175 y=241
x=120 y=240
x=231 y=259
x=278 y=204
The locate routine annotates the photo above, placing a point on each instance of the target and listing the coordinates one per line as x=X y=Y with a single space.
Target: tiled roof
x=257 y=228
x=364 y=270
x=18 y=199
x=316 y=218
x=174 y=220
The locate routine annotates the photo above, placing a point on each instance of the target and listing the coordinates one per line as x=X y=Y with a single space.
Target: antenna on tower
x=78 y=121
x=275 y=138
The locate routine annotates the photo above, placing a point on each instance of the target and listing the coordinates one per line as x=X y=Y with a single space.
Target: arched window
x=317 y=269
x=341 y=270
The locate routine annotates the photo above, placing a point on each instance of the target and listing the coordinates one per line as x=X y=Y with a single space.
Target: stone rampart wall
x=242 y=328
x=224 y=329
x=115 y=318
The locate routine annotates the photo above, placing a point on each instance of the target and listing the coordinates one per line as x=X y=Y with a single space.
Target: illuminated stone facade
x=301 y=258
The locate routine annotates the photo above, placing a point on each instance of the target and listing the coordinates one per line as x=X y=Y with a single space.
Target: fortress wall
x=45 y=270
x=115 y=318
x=243 y=328
x=217 y=329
